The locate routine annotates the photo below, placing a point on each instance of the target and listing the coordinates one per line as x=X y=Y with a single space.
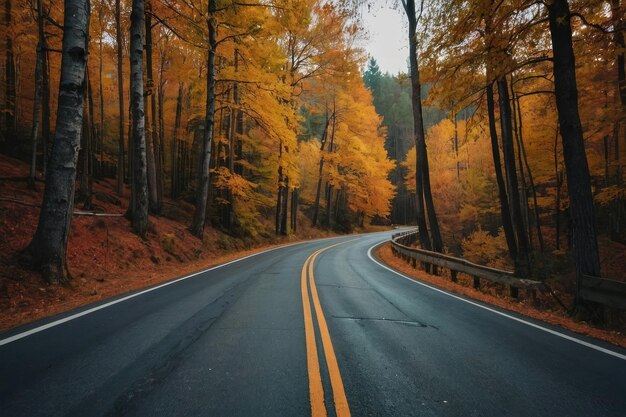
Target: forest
x=504 y=141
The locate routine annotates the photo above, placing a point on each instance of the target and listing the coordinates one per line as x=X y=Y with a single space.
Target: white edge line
x=536 y=326
x=128 y=297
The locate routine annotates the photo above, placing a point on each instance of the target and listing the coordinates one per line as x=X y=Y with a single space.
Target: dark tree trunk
x=86 y=144
x=318 y=191
x=505 y=211
x=48 y=248
x=174 y=173
x=279 y=193
x=283 y=211
x=617 y=17
x=531 y=180
x=45 y=87
x=508 y=151
x=517 y=133
x=584 y=234
x=35 y=128
x=10 y=81
x=329 y=200
x=294 y=210
x=202 y=191
x=101 y=90
x=139 y=204
x=422 y=175
x=120 y=97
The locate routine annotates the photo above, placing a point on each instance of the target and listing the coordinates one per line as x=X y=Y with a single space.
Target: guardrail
x=399 y=246
x=604 y=291
x=609 y=293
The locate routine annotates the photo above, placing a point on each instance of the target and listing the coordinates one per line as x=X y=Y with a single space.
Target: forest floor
x=542 y=306
x=104 y=257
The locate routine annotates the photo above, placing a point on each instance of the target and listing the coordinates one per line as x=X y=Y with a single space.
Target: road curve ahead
x=317 y=328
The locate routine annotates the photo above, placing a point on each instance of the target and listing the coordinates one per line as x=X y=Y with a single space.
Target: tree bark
x=174 y=163
x=617 y=17
x=318 y=192
x=505 y=211
x=584 y=234
x=10 y=79
x=35 y=128
x=101 y=90
x=139 y=203
x=422 y=175
x=48 y=248
x=45 y=87
x=156 y=187
x=120 y=97
x=202 y=192
x=508 y=151
x=531 y=180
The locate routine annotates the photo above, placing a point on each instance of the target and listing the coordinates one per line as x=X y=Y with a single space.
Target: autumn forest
x=504 y=140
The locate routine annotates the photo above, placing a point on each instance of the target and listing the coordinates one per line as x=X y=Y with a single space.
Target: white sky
x=388 y=39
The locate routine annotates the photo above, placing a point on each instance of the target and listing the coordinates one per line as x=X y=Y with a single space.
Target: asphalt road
x=249 y=339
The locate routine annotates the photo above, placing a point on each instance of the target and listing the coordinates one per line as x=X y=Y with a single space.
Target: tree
x=584 y=237
x=202 y=192
x=138 y=209
x=423 y=191
x=120 y=98
x=48 y=248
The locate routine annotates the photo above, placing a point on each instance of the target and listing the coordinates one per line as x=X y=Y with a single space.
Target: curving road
x=317 y=328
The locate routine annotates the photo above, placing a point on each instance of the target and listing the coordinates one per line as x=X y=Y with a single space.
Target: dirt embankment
x=104 y=257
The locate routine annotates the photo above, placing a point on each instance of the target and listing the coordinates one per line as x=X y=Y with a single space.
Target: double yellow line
x=316 y=390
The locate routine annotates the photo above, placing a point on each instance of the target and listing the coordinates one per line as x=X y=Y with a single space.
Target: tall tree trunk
x=584 y=236
x=517 y=134
x=139 y=206
x=318 y=191
x=48 y=248
x=294 y=210
x=161 y=120
x=422 y=175
x=329 y=200
x=35 y=128
x=531 y=180
x=10 y=80
x=174 y=173
x=156 y=188
x=505 y=211
x=230 y=208
x=101 y=90
x=202 y=192
x=522 y=263
x=120 y=97
x=86 y=144
x=619 y=26
x=45 y=87
x=283 y=211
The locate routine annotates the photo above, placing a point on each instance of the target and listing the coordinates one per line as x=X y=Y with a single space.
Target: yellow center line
x=316 y=390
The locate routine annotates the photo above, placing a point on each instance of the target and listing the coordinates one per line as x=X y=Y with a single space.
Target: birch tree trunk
x=202 y=191
x=139 y=204
x=48 y=248
x=156 y=188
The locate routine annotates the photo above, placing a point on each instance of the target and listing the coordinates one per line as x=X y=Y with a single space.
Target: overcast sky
x=388 y=41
